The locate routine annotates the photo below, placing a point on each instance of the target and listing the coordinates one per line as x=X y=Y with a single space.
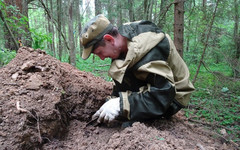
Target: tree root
x=40 y=140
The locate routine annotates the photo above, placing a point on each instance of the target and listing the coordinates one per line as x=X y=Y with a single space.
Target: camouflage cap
x=93 y=32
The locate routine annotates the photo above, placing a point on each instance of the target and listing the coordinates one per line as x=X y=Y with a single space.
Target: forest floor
x=46 y=104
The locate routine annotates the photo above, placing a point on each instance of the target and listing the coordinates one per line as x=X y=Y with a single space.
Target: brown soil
x=45 y=104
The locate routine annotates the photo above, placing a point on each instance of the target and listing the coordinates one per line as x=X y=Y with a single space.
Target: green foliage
x=2 y=5
x=39 y=38
x=6 y=56
x=38 y=30
x=15 y=21
x=216 y=99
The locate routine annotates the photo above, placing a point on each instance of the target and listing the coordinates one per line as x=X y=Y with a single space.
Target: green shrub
x=6 y=56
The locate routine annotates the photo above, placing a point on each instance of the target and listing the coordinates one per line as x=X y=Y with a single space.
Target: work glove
x=108 y=111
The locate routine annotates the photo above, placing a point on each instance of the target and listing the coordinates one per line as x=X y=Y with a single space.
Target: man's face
x=107 y=51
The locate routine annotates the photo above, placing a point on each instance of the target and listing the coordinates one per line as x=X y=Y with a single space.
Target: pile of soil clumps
x=39 y=96
x=46 y=104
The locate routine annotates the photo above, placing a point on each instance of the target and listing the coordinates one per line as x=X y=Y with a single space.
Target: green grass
x=98 y=67
x=216 y=99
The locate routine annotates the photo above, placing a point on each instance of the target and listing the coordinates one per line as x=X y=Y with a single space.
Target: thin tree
x=146 y=5
x=27 y=39
x=130 y=10
x=98 y=11
x=49 y=27
x=204 y=20
x=55 y=23
x=236 y=36
x=119 y=9
x=64 y=16
x=59 y=23
x=77 y=29
x=236 y=33
x=72 y=59
x=150 y=10
x=53 y=32
x=109 y=11
x=155 y=12
x=188 y=24
x=179 y=25
x=206 y=43
x=163 y=11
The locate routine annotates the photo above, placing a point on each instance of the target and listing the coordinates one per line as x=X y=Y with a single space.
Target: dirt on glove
x=46 y=104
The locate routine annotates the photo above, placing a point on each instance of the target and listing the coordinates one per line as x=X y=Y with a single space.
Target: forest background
x=205 y=32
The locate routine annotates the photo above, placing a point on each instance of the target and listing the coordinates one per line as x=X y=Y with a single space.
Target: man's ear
x=108 y=37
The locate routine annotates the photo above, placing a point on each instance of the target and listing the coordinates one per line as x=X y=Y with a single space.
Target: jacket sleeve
x=151 y=101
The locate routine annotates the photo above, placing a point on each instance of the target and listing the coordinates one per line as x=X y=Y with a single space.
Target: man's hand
x=109 y=111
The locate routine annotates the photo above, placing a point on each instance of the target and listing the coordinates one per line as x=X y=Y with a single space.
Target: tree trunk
x=188 y=38
x=79 y=30
x=78 y=26
x=236 y=36
x=155 y=13
x=146 y=9
x=98 y=7
x=53 y=32
x=64 y=24
x=236 y=29
x=188 y=33
x=119 y=9
x=59 y=14
x=130 y=10
x=27 y=39
x=179 y=25
x=150 y=10
x=49 y=29
x=70 y=34
x=109 y=11
x=97 y=12
x=204 y=20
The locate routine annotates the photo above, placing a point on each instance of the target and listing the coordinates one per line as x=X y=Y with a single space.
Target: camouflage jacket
x=152 y=80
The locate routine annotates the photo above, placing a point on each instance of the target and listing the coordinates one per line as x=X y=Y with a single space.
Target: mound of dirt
x=45 y=104
x=39 y=96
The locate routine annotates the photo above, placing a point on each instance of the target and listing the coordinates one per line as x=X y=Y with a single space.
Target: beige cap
x=93 y=32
